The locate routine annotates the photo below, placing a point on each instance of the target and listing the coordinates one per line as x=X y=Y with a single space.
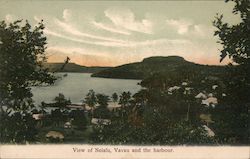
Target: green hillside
x=72 y=67
x=157 y=64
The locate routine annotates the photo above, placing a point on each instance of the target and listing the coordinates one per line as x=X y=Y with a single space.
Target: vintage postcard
x=125 y=79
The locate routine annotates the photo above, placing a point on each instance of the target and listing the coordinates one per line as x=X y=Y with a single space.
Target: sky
x=112 y=33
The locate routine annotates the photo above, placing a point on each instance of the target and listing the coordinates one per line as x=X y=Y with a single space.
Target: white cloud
x=76 y=50
x=64 y=49
x=158 y=42
x=202 y=31
x=66 y=30
x=37 y=19
x=10 y=18
x=182 y=26
x=117 y=44
x=199 y=30
x=130 y=48
x=186 y=27
x=71 y=29
x=110 y=29
x=125 y=18
x=67 y=14
x=102 y=43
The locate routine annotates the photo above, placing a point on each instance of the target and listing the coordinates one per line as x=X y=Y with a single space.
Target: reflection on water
x=76 y=85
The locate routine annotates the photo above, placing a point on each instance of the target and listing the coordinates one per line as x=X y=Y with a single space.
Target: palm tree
x=91 y=100
x=61 y=101
x=114 y=97
x=125 y=98
x=102 y=111
x=102 y=100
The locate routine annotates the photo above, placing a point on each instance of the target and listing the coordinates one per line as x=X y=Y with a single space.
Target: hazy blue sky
x=116 y=32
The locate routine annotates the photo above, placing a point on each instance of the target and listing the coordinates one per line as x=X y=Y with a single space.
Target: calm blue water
x=76 y=85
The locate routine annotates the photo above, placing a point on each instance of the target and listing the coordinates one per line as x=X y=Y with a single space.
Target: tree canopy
x=22 y=54
x=232 y=117
x=235 y=38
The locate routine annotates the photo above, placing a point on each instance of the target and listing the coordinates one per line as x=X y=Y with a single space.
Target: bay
x=75 y=86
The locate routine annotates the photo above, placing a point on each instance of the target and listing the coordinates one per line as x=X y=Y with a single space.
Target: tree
x=91 y=100
x=57 y=117
x=102 y=110
x=232 y=116
x=114 y=97
x=61 y=101
x=22 y=54
x=19 y=128
x=102 y=100
x=79 y=118
x=125 y=98
x=235 y=38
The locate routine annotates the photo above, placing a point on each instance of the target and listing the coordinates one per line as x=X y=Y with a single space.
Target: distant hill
x=72 y=67
x=157 y=64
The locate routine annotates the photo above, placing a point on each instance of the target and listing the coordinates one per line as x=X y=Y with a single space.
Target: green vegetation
x=180 y=103
x=61 y=102
x=21 y=57
x=157 y=115
x=79 y=119
x=232 y=117
x=102 y=111
x=114 y=97
x=154 y=65
x=91 y=100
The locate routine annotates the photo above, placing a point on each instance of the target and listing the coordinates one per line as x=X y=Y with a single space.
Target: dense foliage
x=154 y=65
x=21 y=66
x=166 y=111
x=232 y=117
